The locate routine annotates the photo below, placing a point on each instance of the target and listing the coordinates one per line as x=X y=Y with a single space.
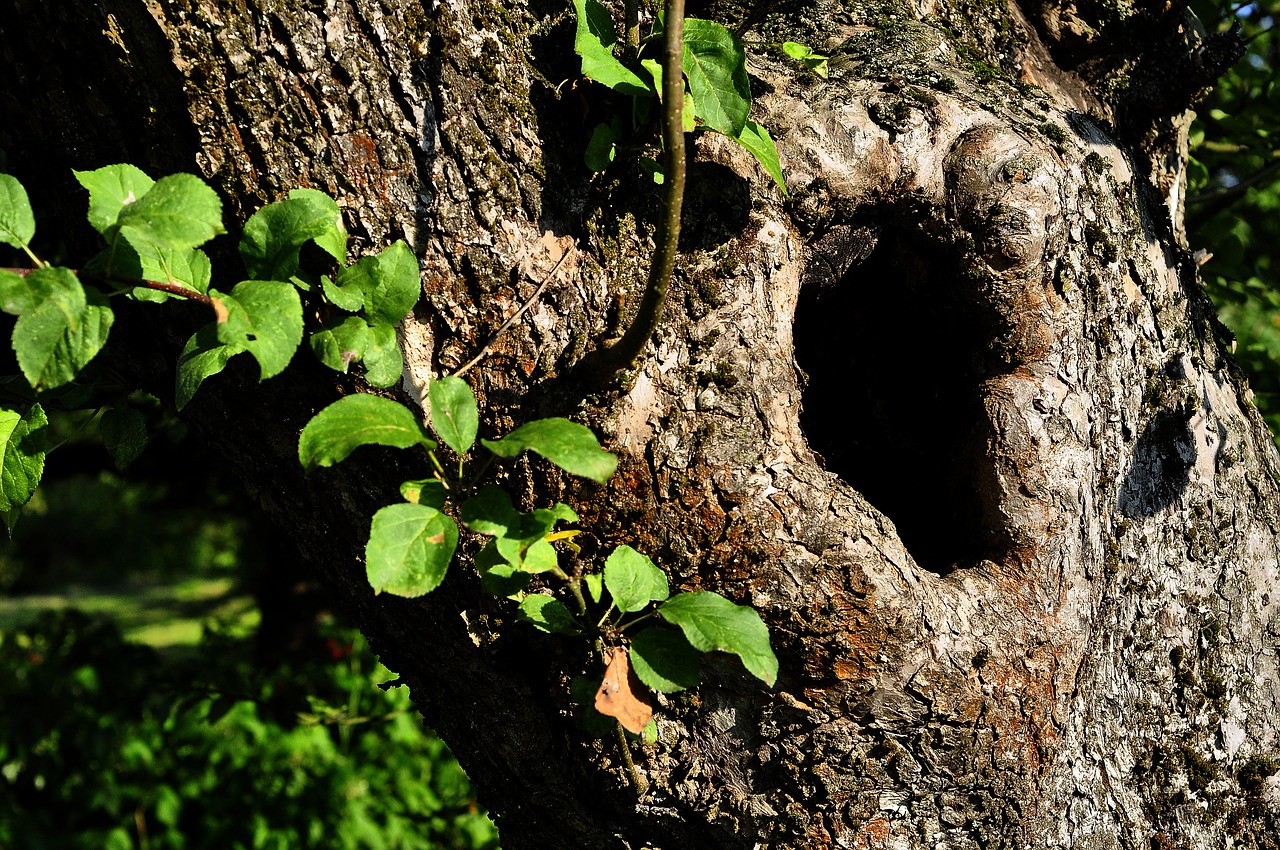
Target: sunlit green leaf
x=595 y=585
x=815 y=62
x=427 y=491
x=17 y=222
x=633 y=580
x=756 y=139
x=594 y=42
x=338 y=346
x=549 y=615
x=18 y=294
x=180 y=211
x=274 y=234
x=383 y=362
x=453 y=413
x=410 y=547
x=64 y=327
x=710 y=622
x=22 y=451
x=496 y=575
x=715 y=65
x=568 y=445
x=264 y=317
x=396 y=284
x=358 y=420
x=111 y=189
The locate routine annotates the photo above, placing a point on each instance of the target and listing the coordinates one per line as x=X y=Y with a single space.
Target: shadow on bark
x=1161 y=467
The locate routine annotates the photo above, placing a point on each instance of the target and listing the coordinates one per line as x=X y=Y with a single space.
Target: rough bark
x=955 y=415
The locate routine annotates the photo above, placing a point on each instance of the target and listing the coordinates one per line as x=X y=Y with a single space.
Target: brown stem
x=171 y=288
x=622 y=354
x=631 y=41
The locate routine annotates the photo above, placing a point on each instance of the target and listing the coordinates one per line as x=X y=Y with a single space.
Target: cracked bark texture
x=955 y=415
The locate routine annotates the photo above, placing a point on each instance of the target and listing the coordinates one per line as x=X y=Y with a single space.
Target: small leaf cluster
x=807 y=56
x=153 y=231
x=359 y=306
x=718 y=94
x=411 y=544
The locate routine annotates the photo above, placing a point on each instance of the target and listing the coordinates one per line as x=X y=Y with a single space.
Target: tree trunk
x=955 y=416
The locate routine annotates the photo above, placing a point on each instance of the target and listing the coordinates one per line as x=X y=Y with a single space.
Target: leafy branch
x=152 y=233
x=717 y=96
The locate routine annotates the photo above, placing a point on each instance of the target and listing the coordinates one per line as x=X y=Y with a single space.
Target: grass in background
x=140 y=709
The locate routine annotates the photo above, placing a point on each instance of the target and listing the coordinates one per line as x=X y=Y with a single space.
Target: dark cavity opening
x=894 y=355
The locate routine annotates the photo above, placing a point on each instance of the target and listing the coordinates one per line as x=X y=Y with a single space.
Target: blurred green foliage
x=109 y=744
x=259 y=724
x=1234 y=194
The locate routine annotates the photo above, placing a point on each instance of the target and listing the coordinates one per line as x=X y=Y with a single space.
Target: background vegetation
x=1234 y=195
x=167 y=680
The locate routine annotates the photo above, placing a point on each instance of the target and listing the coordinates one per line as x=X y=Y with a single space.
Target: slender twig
x=638 y=782
x=160 y=286
x=631 y=41
x=622 y=354
x=488 y=346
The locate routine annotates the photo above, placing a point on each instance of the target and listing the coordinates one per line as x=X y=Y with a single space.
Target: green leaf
x=62 y=331
x=756 y=139
x=274 y=234
x=568 y=445
x=383 y=362
x=715 y=64
x=548 y=614
x=490 y=512
x=358 y=420
x=710 y=622
x=180 y=211
x=202 y=357
x=525 y=547
x=454 y=414
x=688 y=107
x=815 y=62
x=633 y=580
x=664 y=660
x=111 y=189
x=410 y=547
x=341 y=345
x=496 y=575
x=22 y=450
x=594 y=43
x=345 y=295
x=601 y=148
x=388 y=283
x=397 y=285
x=332 y=238
x=540 y=557
x=17 y=222
x=264 y=317
x=189 y=267
x=427 y=491
x=17 y=293
x=124 y=433
x=595 y=585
